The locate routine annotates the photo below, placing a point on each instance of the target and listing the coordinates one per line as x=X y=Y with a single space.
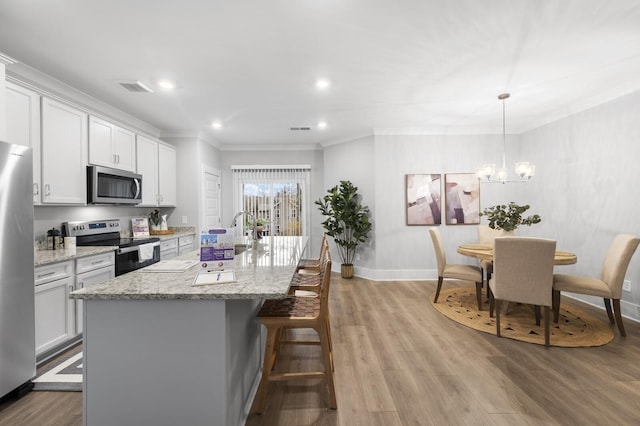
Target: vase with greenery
x=347 y=222
x=509 y=217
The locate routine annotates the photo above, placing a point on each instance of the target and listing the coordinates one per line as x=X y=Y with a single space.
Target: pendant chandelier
x=489 y=172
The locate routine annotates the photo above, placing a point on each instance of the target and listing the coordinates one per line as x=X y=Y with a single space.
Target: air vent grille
x=135 y=86
x=299 y=128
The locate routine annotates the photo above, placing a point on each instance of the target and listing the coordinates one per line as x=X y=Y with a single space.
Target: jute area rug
x=575 y=327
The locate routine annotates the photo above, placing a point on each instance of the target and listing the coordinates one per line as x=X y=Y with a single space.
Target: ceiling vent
x=135 y=86
x=299 y=128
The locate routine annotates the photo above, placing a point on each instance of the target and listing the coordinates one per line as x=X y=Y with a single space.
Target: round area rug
x=575 y=327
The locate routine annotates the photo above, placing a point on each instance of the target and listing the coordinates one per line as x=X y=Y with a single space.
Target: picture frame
x=462 y=199
x=423 y=199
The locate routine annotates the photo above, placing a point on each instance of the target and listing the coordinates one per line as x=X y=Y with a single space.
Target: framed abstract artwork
x=423 y=205
x=462 y=199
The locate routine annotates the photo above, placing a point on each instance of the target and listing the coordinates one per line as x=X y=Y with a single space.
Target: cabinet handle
x=47 y=190
x=97 y=262
x=118 y=157
x=115 y=160
x=36 y=190
x=71 y=288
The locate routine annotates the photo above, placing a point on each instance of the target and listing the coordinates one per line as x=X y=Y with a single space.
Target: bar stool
x=314 y=263
x=310 y=280
x=297 y=312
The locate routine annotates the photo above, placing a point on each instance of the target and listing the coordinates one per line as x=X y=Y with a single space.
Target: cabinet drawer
x=89 y=263
x=55 y=271
x=185 y=241
x=169 y=244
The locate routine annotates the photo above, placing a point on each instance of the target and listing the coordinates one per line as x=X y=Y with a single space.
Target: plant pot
x=346 y=270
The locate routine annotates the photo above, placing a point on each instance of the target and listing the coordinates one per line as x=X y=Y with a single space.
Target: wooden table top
x=485 y=252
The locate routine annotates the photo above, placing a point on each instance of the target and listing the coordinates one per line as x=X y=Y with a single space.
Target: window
x=276 y=196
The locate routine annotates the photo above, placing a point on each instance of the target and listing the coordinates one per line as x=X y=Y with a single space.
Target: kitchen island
x=160 y=351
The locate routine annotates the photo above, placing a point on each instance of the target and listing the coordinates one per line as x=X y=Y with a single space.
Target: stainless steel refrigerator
x=17 y=318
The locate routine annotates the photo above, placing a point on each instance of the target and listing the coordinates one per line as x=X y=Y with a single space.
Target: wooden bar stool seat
x=297 y=313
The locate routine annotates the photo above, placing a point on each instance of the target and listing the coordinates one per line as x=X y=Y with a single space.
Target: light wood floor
x=400 y=362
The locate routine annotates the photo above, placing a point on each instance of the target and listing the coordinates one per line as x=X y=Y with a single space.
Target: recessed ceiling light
x=216 y=125
x=322 y=125
x=167 y=84
x=322 y=83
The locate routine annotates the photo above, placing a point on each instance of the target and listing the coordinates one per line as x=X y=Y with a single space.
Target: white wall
x=354 y=161
x=3 y=103
x=191 y=154
x=585 y=185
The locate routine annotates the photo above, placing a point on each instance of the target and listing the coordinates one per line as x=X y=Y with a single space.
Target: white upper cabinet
x=64 y=153
x=167 y=187
x=23 y=126
x=111 y=146
x=147 y=161
x=157 y=165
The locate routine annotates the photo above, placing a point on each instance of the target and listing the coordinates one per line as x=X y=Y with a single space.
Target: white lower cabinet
x=185 y=244
x=168 y=249
x=55 y=312
x=58 y=317
x=90 y=271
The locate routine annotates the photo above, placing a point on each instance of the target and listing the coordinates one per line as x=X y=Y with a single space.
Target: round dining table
x=485 y=252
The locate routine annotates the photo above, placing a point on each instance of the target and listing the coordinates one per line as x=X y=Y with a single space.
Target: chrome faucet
x=253 y=221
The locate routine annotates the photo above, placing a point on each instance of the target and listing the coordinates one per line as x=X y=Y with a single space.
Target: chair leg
x=328 y=363
x=498 y=308
x=547 y=314
x=492 y=303
x=555 y=296
x=266 y=368
x=479 y=294
x=488 y=289
x=616 y=309
x=435 y=299
x=607 y=305
x=536 y=310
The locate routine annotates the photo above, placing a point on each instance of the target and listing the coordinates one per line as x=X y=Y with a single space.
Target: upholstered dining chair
x=609 y=286
x=486 y=236
x=523 y=273
x=455 y=271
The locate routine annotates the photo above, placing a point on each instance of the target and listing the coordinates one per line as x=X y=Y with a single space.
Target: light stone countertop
x=262 y=272
x=45 y=257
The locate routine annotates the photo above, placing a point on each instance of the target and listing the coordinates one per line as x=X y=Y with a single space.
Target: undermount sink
x=239 y=248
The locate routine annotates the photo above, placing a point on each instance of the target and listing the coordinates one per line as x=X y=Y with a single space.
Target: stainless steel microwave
x=113 y=186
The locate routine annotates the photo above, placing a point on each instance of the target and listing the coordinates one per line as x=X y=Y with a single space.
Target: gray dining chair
x=609 y=286
x=455 y=271
x=523 y=273
x=486 y=236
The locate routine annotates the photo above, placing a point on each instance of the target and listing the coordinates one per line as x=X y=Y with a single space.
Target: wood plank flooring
x=400 y=362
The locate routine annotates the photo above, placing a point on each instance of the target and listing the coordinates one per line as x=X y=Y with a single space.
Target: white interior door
x=211 y=196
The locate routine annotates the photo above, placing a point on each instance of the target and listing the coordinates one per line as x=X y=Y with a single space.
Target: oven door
x=127 y=259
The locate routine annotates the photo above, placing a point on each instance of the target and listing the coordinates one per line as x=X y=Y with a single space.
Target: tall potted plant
x=509 y=217
x=347 y=221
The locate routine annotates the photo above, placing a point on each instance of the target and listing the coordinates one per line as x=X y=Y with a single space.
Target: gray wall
x=586 y=172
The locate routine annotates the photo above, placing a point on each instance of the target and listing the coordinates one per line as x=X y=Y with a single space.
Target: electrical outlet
x=626 y=286
x=184 y=220
x=357 y=256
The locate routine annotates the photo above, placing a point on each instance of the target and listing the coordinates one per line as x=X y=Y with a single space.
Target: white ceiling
x=424 y=66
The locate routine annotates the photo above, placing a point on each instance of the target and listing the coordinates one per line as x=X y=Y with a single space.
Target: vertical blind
x=277 y=196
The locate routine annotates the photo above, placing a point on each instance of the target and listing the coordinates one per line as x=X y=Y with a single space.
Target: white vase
x=163 y=223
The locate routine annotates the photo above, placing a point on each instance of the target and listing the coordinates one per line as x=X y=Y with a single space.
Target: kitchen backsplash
x=47 y=217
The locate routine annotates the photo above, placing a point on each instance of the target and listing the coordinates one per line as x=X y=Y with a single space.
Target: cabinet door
x=23 y=126
x=64 y=153
x=89 y=279
x=124 y=145
x=147 y=166
x=167 y=187
x=55 y=314
x=101 y=134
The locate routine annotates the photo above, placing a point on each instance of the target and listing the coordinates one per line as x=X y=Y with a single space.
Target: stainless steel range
x=132 y=253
